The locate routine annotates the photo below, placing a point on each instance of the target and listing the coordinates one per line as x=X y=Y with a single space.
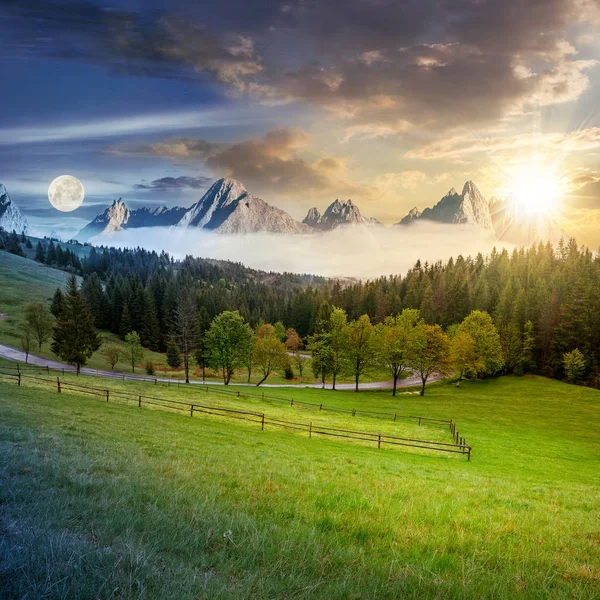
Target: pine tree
x=13 y=245
x=75 y=336
x=526 y=363
x=173 y=355
x=40 y=254
x=51 y=254
x=202 y=327
x=125 y=324
x=57 y=305
x=427 y=306
x=95 y=296
x=150 y=330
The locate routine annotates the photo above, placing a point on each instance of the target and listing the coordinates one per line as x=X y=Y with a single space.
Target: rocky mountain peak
x=413 y=214
x=10 y=215
x=468 y=207
x=118 y=214
x=313 y=218
x=337 y=213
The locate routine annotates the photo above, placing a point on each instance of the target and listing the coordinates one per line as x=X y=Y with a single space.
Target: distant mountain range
x=468 y=207
x=11 y=218
x=228 y=208
x=499 y=216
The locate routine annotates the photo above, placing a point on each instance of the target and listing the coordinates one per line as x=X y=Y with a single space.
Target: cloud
x=271 y=161
x=167 y=184
x=381 y=68
x=362 y=252
x=585 y=191
x=461 y=145
x=105 y=128
x=151 y=43
x=407 y=180
x=482 y=62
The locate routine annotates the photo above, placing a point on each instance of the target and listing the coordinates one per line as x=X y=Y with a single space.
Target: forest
x=543 y=296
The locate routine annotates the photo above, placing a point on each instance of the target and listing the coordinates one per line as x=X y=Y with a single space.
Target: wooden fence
x=219 y=389
x=458 y=447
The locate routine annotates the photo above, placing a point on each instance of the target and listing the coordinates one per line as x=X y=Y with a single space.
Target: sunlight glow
x=537 y=194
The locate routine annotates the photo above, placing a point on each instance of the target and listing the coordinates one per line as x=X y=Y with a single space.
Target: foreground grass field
x=112 y=501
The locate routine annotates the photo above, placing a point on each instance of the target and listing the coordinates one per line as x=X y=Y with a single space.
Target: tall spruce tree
x=75 y=338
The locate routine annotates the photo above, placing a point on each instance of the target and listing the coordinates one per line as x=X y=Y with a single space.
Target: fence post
x=63 y=370
x=139 y=401
x=310 y=430
x=469 y=454
x=192 y=410
x=107 y=395
x=58 y=384
x=320 y=407
x=19 y=380
x=395 y=415
x=155 y=381
x=379 y=441
x=238 y=394
x=262 y=424
x=353 y=412
x=47 y=369
x=292 y=402
x=419 y=420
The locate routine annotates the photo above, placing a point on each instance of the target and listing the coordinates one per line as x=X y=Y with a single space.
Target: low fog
x=361 y=252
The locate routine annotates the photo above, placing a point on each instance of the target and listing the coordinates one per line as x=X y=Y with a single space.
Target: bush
x=149 y=368
x=289 y=373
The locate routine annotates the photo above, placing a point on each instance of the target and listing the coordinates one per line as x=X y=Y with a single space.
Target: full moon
x=66 y=193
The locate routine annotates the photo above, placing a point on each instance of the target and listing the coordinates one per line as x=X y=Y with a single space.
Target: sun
x=537 y=194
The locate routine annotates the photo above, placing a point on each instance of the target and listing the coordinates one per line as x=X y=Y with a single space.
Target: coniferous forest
x=543 y=298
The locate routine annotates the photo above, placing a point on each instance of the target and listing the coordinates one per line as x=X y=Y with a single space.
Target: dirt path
x=11 y=353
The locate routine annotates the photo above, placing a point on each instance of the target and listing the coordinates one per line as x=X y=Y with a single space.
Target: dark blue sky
x=390 y=103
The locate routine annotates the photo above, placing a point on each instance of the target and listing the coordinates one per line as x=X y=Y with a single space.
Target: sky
x=387 y=103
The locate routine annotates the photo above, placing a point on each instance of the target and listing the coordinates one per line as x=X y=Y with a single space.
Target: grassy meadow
x=106 y=500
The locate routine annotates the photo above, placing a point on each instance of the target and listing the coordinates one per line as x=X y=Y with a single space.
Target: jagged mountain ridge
x=337 y=214
x=468 y=207
x=118 y=216
x=11 y=218
x=227 y=207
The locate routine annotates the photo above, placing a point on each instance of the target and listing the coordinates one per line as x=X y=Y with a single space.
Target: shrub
x=289 y=373
x=149 y=368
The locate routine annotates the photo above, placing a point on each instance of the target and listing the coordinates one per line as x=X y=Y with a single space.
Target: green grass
x=22 y=281
x=105 y=500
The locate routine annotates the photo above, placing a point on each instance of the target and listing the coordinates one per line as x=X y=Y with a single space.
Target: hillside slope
x=133 y=499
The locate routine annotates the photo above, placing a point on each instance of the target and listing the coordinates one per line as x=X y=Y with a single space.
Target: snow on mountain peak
x=10 y=215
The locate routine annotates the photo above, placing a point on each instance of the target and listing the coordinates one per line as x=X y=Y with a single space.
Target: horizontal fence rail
x=217 y=389
x=459 y=446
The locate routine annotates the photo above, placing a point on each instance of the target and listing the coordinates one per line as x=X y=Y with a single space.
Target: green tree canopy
x=429 y=353
x=488 y=358
x=227 y=342
x=135 y=351
x=392 y=342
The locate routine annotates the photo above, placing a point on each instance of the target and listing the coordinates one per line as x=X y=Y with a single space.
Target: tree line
x=543 y=297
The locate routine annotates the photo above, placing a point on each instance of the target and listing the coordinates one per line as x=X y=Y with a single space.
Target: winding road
x=10 y=353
